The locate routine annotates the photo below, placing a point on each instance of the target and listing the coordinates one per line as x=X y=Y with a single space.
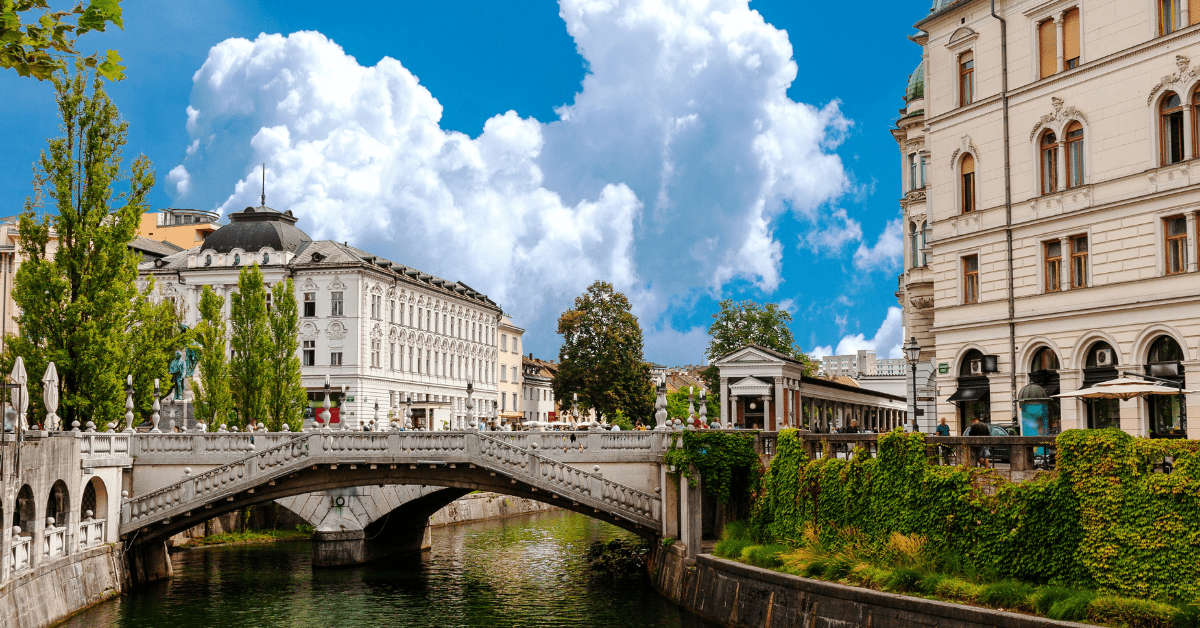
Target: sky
x=685 y=151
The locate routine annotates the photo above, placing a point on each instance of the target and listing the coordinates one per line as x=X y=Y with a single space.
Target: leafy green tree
x=286 y=396
x=214 y=401
x=601 y=355
x=155 y=334
x=43 y=45
x=77 y=285
x=250 y=340
x=677 y=404
x=746 y=322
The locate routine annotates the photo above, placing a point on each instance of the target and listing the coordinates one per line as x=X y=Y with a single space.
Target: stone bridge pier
x=355 y=525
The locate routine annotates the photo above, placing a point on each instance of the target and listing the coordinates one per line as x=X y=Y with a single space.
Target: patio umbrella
x=21 y=394
x=1122 y=388
x=50 y=396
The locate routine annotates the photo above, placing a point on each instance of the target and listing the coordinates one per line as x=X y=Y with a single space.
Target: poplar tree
x=214 y=401
x=250 y=340
x=601 y=356
x=75 y=289
x=286 y=396
x=155 y=333
x=42 y=46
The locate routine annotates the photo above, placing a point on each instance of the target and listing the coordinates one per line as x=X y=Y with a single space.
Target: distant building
x=509 y=386
x=184 y=228
x=861 y=363
x=537 y=394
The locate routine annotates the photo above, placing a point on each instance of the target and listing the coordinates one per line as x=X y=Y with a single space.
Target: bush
x=955 y=589
x=1188 y=616
x=731 y=548
x=1063 y=603
x=905 y=579
x=765 y=556
x=1124 y=612
x=1008 y=594
x=930 y=582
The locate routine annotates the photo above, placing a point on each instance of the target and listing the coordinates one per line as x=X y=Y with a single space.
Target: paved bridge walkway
x=568 y=469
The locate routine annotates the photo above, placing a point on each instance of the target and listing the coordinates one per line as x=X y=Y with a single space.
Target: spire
x=264 y=184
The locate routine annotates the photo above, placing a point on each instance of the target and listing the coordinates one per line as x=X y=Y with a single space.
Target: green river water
x=520 y=571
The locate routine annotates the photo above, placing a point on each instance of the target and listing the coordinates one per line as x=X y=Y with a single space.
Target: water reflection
x=520 y=572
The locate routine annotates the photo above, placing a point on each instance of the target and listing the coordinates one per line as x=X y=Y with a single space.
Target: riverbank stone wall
x=52 y=592
x=736 y=595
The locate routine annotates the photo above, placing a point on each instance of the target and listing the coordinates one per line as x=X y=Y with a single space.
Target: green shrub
x=765 y=556
x=838 y=568
x=1063 y=603
x=905 y=579
x=815 y=568
x=956 y=589
x=736 y=530
x=1188 y=616
x=1008 y=594
x=1124 y=612
x=930 y=582
x=731 y=548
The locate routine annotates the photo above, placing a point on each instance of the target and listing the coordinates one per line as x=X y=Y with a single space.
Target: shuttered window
x=1048 y=47
x=1194 y=11
x=1071 y=37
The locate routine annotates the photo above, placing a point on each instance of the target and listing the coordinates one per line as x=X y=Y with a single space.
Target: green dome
x=916 y=84
x=1032 y=392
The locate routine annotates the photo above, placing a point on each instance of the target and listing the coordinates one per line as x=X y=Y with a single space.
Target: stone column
x=1058 y=27
x=1188 y=154
x=780 y=406
x=725 y=403
x=1191 y=239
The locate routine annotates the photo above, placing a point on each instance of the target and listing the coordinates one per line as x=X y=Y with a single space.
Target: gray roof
x=254 y=228
x=154 y=248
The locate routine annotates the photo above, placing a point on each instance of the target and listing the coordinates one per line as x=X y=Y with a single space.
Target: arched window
x=1165 y=349
x=967 y=171
x=914 y=258
x=1043 y=371
x=1074 y=155
x=1044 y=360
x=25 y=513
x=1101 y=366
x=924 y=233
x=1049 y=159
x=57 y=504
x=1101 y=355
x=1171 y=121
x=1166 y=411
x=973 y=396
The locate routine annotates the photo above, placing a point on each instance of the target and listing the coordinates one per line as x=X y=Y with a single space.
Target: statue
x=182 y=368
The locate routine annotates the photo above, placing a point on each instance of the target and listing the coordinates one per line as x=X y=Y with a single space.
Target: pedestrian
x=853 y=428
x=979 y=429
x=943 y=430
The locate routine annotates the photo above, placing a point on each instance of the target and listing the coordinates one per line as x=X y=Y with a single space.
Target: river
x=519 y=571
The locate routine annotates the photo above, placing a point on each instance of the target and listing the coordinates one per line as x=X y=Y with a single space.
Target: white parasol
x=20 y=398
x=50 y=396
x=1122 y=388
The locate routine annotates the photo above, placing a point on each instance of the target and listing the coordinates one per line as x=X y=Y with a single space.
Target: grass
x=248 y=537
x=765 y=556
x=1124 y=612
x=1008 y=594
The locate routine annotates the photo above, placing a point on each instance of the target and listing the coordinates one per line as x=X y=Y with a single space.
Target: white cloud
x=834 y=232
x=711 y=151
x=887 y=341
x=887 y=252
x=817 y=353
x=180 y=177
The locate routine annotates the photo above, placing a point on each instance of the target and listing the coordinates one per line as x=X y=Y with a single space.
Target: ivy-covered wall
x=1104 y=520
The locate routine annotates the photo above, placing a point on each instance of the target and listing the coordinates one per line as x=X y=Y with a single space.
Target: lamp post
x=912 y=351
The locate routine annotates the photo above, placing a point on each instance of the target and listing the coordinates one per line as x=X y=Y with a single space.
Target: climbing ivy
x=1104 y=520
x=723 y=460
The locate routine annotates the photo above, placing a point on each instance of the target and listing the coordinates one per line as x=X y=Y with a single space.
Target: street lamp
x=912 y=351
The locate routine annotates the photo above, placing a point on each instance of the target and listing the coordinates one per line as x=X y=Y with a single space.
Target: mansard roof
x=256 y=228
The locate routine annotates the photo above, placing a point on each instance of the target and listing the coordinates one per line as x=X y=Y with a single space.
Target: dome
x=916 y=84
x=1032 y=392
x=255 y=228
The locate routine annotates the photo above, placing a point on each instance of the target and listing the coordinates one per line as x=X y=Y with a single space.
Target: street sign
x=943 y=368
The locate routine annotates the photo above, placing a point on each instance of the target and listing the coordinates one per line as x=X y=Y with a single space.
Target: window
x=392 y=311
x=514 y=373
x=504 y=342
x=1171 y=120
x=376 y=307
x=410 y=358
x=1168 y=17
x=1048 y=48
x=916 y=245
x=375 y=346
x=437 y=322
x=1053 y=266
x=410 y=316
x=912 y=172
x=971 y=279
x=1071 y=48
x=1074 y=155
x=1176 y=253
x=335 y=358
x=427 y=361
x=1079 y=255
x=268 y=299
x=335 y=305
x=1049 y=152
x=922 y=158
x=428 y=319
x=392 y=356
x=503 y=373
x=420 y=318
x=966 y=79
x=309 y=356
x=968 y=184
x=310 y=304
x=419 y=364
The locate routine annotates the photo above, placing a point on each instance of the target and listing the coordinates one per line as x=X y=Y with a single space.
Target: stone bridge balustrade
x=54 y=541
x=20 y=553
x=91 y=533
x=412 y=458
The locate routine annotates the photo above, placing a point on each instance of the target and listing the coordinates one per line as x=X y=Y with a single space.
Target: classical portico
x=765 y=389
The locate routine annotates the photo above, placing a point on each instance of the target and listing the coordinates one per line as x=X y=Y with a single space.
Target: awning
x=1123 y=388
x=969 y=394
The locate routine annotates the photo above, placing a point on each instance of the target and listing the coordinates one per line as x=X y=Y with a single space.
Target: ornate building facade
x=1051 y=217
x=384 y=333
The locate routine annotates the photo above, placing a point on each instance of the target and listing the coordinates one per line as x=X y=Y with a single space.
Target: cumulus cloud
x=887 y=252
x=682 y=130
x=834 y=231
x=182 y=180
x=887 y=342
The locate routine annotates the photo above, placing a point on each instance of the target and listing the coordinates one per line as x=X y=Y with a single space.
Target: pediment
x=961 y=36
x=750 y=386
x=750 y=355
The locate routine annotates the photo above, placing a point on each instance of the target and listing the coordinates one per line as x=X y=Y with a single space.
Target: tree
x=42 y=46
x=251 y=343
x=677 y=404
x=214 y=401
x=156 y=332
x=601 y=355
x=286 y=396
x=75 y=289
x=739 y=324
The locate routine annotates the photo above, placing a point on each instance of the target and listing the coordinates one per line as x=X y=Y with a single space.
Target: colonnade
x=825 y=416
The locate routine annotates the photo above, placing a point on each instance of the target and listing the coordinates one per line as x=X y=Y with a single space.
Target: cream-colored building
x=509 y=352
x=1099 y=202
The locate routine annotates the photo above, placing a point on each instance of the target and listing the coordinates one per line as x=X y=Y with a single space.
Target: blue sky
x=652 y=144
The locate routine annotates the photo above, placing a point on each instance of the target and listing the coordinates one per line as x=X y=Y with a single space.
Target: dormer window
x=208 y=260
x=266 y=258
x=237 y=259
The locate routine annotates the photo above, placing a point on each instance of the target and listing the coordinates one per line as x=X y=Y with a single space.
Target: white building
x=1070 y=258
x=863 y=362
x=537 y=398
x=386 y=332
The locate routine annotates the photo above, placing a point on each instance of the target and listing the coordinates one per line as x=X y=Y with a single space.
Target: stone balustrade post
x=592 y=441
